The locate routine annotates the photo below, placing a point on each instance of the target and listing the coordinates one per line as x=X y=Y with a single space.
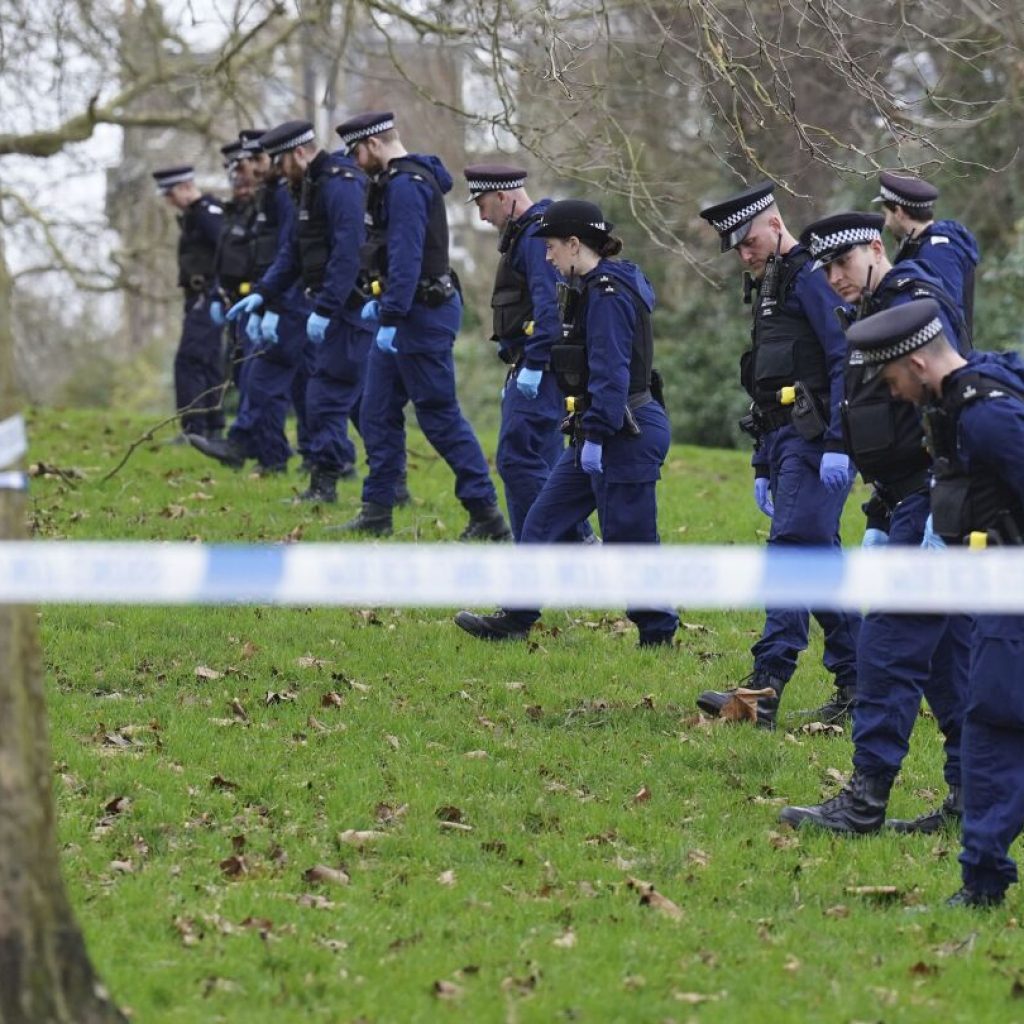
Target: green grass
x=540 y=749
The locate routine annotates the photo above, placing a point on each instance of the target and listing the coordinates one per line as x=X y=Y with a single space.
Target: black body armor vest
x=314 y=231
x=569 y=357
x=784 y=348
x=268 y=225
x=195 y=252
x=511 y=302
x=962 y=502
x=235 y=259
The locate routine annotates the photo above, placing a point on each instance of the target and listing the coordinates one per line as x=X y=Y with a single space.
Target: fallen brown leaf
x=447 y=990
x=203 y=672
x=642 y=795
x=356 y=837
x=321 y=874
x=447 y=878
x=650 y=897
x=234 y=866
x=567 y=940
x=742 y=705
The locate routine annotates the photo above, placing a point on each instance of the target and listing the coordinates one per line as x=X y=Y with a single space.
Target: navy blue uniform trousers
x=333 y=391
x=266 y=387
x=624 y=496
x=199 y=370
x=806 y=515
x=422 y=372
x=901 y=657
x=993 y=753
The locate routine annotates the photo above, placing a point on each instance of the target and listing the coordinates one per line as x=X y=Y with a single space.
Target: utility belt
x=575 y=406
x=511 y=355
x=795 y=405
x=894 y=491
x=355 y=300
x=966 y=514
x=436 y=291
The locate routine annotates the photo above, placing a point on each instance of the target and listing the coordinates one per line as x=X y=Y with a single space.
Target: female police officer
x=620 y=433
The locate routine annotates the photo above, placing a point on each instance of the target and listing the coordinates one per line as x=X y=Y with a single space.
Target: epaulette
x=416 y=176
x=938 y=239
x=606 y=285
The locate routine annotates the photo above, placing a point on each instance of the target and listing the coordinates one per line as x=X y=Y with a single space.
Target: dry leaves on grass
x=447 y=990
x=567 y=940
x=447 y=878
x=742 y=705
x=321 y=874
x=359 y=837
x=650 y=897
x=204 y=672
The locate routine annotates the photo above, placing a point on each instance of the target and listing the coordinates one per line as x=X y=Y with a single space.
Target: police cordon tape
x=476 y=575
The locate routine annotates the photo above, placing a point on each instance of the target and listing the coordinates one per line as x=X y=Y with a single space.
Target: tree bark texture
x=45 y=973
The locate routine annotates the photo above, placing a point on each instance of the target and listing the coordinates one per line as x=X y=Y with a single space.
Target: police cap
x=895 y=332
x=362 y=126
x=831 y=237
x=732 y=217
x=577 y=217
x=484 y=178
x=250 y=138
x=231 y=151
x=168 y=177
x=905 y=190
x=286 y=137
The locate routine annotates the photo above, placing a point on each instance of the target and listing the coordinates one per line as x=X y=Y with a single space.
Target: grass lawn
x=274 y=815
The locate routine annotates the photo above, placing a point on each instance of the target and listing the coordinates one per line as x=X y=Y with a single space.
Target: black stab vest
x=268 y=226
x=235 y=258
x=314 y=231
x=195 y=252
x=511 y=302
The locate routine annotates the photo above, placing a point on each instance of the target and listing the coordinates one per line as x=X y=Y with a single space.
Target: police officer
x=278 y=339
x=526 y=323
x=801 y=473
x=899 y=657
x=945 y=246
x=198 y=366
x=620 y=431
x=974 y=408
x=416 y=318
x=322 y=254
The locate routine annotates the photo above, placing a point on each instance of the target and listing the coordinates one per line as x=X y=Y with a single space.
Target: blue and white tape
x=563 y=576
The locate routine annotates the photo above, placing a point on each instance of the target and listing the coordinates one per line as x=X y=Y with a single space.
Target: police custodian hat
x=831 y=237
x=168 y=177
x=286 y=137
x=895 y=332
x=905 y=190
x=484 y=178
x=577 y=217
x=231 y=151
x=250 y=138
x=732 y=217
x=363 y=126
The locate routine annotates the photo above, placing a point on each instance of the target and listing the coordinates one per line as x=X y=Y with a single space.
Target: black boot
x=975 y=899
x=323 y=487
x=858 y=808
x=486 y=524
x=373 y=519
x=224 y=451
x=348 y=472
x=499 y=626
x=837 y=709
x=947 y=814
x=711 y=702
x=402 y=496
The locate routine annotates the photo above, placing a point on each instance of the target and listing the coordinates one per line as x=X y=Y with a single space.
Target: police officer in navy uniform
x=899 y=656
x=945 y=246
x=198 y=363
x=275 y=341
x=619 y=429
x=801 y=473
x=415 y=309
x=526 y=323
x=320 y=254
x=974 y=413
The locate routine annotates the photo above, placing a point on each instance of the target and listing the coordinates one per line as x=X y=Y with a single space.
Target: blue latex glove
x=763 y=496
x=252 y=328
x=528 y=381
x=386 y=339
x=247 y=305
x=590 y=458
x=268 y=329
x=370 y=310
x=835 y=471
x=217 y=312
x=874 y=538
x=932 y=541
x=316 y=328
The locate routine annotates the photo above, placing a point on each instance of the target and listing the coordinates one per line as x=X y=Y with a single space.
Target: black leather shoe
x=837 y=709
x=402 y=496
x=858 y=808
x=947 y=815
x=218 y=448
x=323 y=487
x=975 y=898
x=486 y=524
x=499 y=626
x=711 y=702
x=372 y=519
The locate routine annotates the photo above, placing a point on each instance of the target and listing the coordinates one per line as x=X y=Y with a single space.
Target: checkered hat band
x=286 y=144
x=251 y=146
x=371 y=129
x=496 y=186
x=895 y=197
x=744 y=214
x=175 y=179
x=838 y=239
x=904 y=346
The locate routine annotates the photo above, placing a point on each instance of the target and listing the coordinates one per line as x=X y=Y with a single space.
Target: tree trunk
x=45 y=973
